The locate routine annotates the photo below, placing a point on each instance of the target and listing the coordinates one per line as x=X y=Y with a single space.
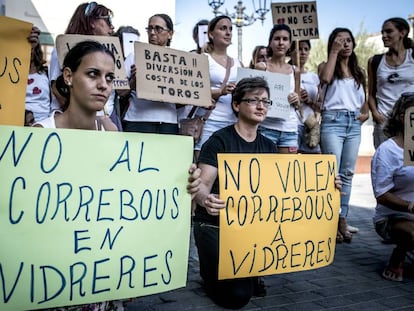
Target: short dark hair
x=394 y=123
x=247 y=85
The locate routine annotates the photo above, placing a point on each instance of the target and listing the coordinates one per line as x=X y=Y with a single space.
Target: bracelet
x=411 y=207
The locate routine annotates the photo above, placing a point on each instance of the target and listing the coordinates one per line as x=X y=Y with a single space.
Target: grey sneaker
x=352 y=229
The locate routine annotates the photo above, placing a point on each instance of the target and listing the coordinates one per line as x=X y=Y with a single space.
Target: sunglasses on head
x=89 y=8
x=107 y=19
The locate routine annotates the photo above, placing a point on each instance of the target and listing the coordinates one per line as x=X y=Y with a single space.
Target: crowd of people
x=327 y=109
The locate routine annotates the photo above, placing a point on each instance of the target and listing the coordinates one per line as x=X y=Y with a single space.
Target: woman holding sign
x=392 y=183
x=283 y=132
x=344 y=108
x=148 y=116
x=223 y=75
x=250 y=104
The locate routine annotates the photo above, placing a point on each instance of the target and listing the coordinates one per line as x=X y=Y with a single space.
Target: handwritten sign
x=90 y=216
x=65 y=42
x=279 y=85
x=409 y=136
x=14 y=69
x=300 y=16
x=281 y=213
x=172 y=76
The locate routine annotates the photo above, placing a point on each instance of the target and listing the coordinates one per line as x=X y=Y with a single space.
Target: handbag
x=313 y=121
x=193 y=126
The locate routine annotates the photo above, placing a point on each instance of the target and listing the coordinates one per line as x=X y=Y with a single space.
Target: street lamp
x=411 y=19
x=241 y=19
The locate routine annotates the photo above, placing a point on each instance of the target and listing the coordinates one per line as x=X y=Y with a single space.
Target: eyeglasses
x=257 y=101
x=107 y=19
x=89 y=8
x=157 y=29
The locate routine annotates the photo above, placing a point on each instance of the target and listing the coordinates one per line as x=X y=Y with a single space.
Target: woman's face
x=347 y=44
x=158 y=32
x=280 y=43
x=304 y=51
x=222 y=33
x=391 y=36
x=262 y=55
x=102 y=26
x=91 y=83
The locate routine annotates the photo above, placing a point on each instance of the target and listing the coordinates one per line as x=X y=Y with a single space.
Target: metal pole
x=240 y=43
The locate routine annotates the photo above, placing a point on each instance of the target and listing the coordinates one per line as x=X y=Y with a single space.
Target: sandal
x=393 y=274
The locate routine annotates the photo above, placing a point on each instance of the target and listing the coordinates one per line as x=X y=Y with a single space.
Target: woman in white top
x=394 y=74
x=148 y=116
x=220 y=31
x=343 y=111
x=283 y=132
x=85 y=84
x=392 y=183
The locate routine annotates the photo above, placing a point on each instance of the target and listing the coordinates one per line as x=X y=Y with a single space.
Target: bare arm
x=372 y=102
x=210 y=201
x=394 y=202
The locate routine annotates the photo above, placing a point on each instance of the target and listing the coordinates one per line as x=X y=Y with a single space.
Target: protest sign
x=65 y=42
x=281 y=213
x=279 y=86
x=14 y=69
x=172 y=76
x=89 y=216
x=409 y=136
x=301 y=17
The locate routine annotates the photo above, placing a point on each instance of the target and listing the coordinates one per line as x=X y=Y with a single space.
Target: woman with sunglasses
x=88 y=19
x=392 y=183
x=148 y=116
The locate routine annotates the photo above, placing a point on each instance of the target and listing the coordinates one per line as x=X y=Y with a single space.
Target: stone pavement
x=352 y=282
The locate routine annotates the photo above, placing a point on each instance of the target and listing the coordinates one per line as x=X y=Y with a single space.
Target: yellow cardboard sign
x=302 y=18
x=409 y=136
x=65 y=42
x=172 y=76
x=89 y=216
x=281 y=213
x=14 y=69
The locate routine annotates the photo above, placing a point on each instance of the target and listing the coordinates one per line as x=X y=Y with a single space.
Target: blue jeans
x=341 y=136
x=280 y=138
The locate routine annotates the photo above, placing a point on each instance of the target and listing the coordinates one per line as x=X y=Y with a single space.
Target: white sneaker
x=352 y=229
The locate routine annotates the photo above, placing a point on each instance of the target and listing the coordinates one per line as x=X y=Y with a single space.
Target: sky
x=331 y=13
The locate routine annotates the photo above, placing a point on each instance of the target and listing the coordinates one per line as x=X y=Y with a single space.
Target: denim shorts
x=280 y=138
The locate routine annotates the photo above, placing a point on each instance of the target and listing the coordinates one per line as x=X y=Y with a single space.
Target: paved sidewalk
x=352 y=282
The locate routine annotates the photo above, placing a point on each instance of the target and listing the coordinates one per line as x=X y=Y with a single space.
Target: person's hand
x=304 y=96
x=337 y=45
x=338 y=183
x=378 y=118
x=213 y=204
x=293 y=99
x=194 y=180
x=363 y=117
x=228 y=89
x=33 y=37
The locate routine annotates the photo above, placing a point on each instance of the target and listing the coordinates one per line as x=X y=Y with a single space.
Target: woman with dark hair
x=220 y=30
x=393 y=73
x=38 y=88
x=392 y=183
x=283 y=132
x=86 y=84
x=250 y=102
x=308 y=123
x=344 y=109
x=148 y=116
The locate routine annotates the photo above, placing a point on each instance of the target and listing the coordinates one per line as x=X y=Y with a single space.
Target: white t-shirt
x=343 y=94
x=388 y=173
x=392 y=81
x=38 y=95
x=142 y=110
